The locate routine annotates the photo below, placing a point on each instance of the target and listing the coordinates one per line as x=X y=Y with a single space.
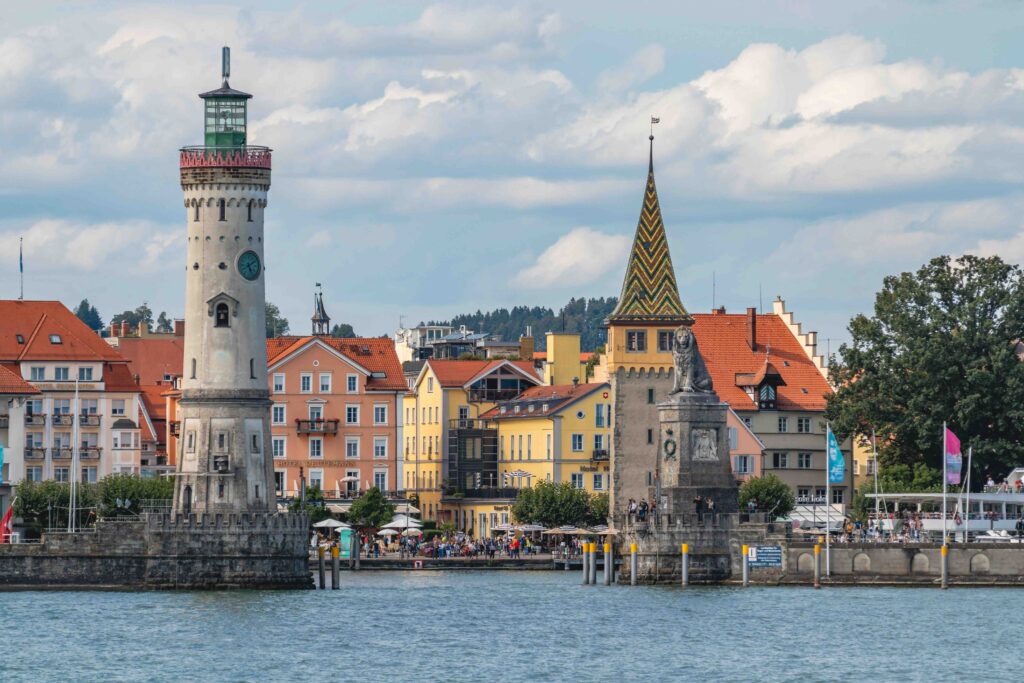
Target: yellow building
x=441 y=412
x=863 y=463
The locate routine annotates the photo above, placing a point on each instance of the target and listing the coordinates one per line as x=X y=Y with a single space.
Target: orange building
x=336 y=413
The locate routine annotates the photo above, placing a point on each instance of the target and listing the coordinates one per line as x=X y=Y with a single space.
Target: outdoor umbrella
x=329 y=524
x=568 y=530
x=387 y=532
x=341 y=528
x=412 y=532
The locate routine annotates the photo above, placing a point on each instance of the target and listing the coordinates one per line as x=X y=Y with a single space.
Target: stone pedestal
x=694 y=452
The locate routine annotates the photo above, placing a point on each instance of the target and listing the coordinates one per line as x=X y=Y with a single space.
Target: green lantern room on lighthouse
x=225 y=111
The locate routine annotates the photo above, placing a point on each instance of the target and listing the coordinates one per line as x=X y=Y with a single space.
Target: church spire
x=649 y=290
x=321 y=321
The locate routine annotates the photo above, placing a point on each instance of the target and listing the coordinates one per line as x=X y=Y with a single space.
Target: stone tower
x=223 y=464
x=321 y=321
x=639 y=360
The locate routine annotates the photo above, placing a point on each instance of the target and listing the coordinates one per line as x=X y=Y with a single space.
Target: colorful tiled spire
x=649 y=290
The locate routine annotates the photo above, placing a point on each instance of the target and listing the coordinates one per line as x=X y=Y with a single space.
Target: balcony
x=62 y=419
x=89 y=420
x=175 y=428
x=60 y=453
x=600 y=454
x=318 y=426
x=468 y=423
x=482 y=493
x=492 y=395
x=35 y=453
x=250 y=156
x=89 y=453
x=5 y=421
x=37 y=419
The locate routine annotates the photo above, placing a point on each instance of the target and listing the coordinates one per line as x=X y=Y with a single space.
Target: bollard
x=746 y=566
x=593 y=564
x=817 y=565
x=585 y=555
x=335 y=567
x=632 y=564
x=609 y=564
x=945 y=566
x=320 y=567
x=356 y=547
x=686 y=564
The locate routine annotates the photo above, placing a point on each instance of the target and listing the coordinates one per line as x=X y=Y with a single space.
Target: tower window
x=252 y=369
x=250 y=210
x=193 y=368
x=220 y=489
x=195 y=213
x=221 y=315
x=222 y=205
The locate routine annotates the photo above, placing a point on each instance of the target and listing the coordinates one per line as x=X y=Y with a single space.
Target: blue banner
x=836 y=464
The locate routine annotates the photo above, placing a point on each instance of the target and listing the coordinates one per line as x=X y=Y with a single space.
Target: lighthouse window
x=193 y=368
x=250 y=210
x=252 y=368
x=195 y=214
x=221 y=317
x=221 y=204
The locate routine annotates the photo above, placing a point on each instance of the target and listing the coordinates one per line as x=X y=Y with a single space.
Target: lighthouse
x=223 y=464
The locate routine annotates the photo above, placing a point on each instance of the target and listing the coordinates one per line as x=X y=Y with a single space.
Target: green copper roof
x=649 y=290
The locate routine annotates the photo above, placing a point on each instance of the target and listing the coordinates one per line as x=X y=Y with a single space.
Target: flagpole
x=75 y=436
x=874 y=456
x=21 y=268
x=967 y=514
x=944 y=481
x=828 y=503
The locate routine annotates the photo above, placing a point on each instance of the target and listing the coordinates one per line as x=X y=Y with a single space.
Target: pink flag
x=954 y=460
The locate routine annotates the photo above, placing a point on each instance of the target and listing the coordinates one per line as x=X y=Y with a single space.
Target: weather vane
x=225 y=62
x=654 y=120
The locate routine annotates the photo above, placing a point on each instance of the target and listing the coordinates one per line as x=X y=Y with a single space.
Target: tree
x=343 y=330
x=769 y=493
x=88 y=314
x=142 y=314
x=941 y=346
x=315 y=507
x=554 y=505
x=163 y=323
x=371 y=510
x=277 y=325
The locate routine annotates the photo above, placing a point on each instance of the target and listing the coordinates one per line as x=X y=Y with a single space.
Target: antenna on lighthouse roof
x=225 y=62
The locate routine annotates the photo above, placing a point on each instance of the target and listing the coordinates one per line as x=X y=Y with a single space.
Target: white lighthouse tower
x=222 y=461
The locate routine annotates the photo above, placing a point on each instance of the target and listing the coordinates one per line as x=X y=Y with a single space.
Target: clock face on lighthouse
x=249 y=265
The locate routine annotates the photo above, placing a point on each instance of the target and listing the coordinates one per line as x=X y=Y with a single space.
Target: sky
x=432 y=159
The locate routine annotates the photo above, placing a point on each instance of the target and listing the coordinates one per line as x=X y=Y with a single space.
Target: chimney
x=575 y=383
x=179 y=328
x=125 y=328
x=526 y=345
x=718 y=311
x=113 y=329
x=752 y=328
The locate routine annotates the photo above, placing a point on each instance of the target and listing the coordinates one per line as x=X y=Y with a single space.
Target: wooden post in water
x=335 y=567
x=321 y=573
x=746 y=566
x=817 y=565
x=609 y=563
x=686 y=564
x=593 y=564
x=586 y=563
x=632 y=564
x=945 y=565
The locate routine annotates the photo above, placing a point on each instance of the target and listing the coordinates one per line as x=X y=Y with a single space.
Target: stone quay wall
x=167 y=552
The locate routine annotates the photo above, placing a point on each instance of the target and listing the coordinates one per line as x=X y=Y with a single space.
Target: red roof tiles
x=557 y=396
x=12 y=383
x=37 y=322
x=722 y=339
x=456 y=373
x=376 y=354
x=151 y=358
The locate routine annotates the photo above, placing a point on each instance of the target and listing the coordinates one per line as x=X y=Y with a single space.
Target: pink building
x=746 y=450
x=336 y=413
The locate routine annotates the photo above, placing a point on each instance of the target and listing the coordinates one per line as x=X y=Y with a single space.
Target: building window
x=577 y=443
x=744 y=464
x=249 y=217
x=316 y=479
x=870 y=465
x=577 y=480
x=380 y=415
x=352 y=415
x=37 y=374
x=733 y=438
x=837 y=496
x=599 y=415
x=780 y=461
x=463 y=412
x=650 y=396
x=62 y=406
x=380 y=479
x=84 y=374
x=60 y=374
x=117 y=406
x=190 y=442
x=195 y=213
x=278 y=446
x=34 y=473
x=61 y=473
x=193 y=375
x=747 y=422
x=803 y=425
x=89 y=406
x=277 y=414
x=549 y=445
x=316 y=449
x=380 y=446
x=803 y=495
x=767 y=396
x=254 y=443
x=352 y=384
x=598 y=482
x=351 y=446
x=783 y=424
x=55 y=339
x=529 y=446
x=306 y=383
x=520 y=446
x=126 y=440
x=803 y=461
x=222 y=205
x=430 y=385
x=599 y=442
x=636 y=340
x=221 y=315
x=666 y=339
x=650 y=436
x=278 y=383
x=325 y=382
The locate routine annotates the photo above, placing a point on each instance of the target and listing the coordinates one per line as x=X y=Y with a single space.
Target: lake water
x=513 y=626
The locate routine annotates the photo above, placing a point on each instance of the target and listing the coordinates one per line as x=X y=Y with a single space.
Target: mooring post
x=632 y=564
x=586 y=563
x=608 y=563
x=817 y=565
x=746 y=566
x=335 y=567
x=686 y=564
x=320 y=567
x=355 y=552
x=945 y=566
x=593 y=563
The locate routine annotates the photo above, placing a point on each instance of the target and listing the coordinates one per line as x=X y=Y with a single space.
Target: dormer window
x=21 y=339
x=530 y=408
x=516 y=409
x=766 y=397
x=55 y=339
x=544 y=407
x=504 y=409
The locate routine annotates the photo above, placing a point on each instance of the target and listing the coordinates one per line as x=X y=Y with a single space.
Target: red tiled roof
x=722 y=339
x=556 y=396
x=36 y=321
x=117 y=377
x=379 y=357
x=153 y=398
x=12 y=383
x=456 y=373
x=151 y=359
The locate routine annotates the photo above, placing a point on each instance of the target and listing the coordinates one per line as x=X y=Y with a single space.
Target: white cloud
x=644 y=64
x=320 y=238
x=130 y=246
x=579 y=257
